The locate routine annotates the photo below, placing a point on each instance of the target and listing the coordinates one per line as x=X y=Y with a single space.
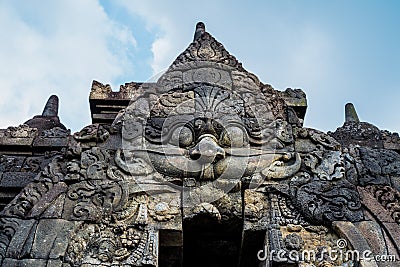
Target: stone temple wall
x=206 y=166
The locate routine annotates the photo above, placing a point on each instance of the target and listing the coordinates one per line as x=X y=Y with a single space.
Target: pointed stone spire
x=350 y=113
x=200 y=29
x=51 y=108
x=49 y=118
x=204 y=48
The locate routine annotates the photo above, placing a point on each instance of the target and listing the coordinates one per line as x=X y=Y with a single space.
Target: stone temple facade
x=205 y=166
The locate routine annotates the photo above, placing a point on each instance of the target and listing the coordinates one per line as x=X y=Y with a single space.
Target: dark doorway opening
x=212 y=244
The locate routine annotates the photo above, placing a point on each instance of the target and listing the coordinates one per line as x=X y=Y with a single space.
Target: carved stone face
x=200 y=135
x=202 y=132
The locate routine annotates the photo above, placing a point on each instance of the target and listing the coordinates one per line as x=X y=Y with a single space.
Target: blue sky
x=336 y=51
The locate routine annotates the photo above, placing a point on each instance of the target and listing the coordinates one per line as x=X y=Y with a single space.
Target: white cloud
x=57 y=48
x=168 y=19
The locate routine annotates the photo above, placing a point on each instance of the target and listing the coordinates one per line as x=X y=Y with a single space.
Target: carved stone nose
x=207 y=150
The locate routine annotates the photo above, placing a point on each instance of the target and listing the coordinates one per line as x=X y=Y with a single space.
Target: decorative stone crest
x=22 y=131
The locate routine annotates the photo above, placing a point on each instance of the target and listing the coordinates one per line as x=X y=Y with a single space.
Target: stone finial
x=350 y=113
x=51 y=108
x=200 y=29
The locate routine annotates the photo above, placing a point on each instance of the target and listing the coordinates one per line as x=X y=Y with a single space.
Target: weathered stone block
x=358 y=133
x=165 y=214
x=392 y=247
x=51 y=142
x=394 y=231
x=395 y=181
x=55 y=263
x=391 y=140
x=22 y=135
x=24 y=234
x=255 y=206
x=50 y=239
x=16 y=179
x=113 y=142
x=304 y=146
x=373 y=233
x=24 y=263
x=350 y=232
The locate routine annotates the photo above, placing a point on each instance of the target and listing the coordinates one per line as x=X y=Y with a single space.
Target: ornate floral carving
x=55 y=132
x=32 y=193
x=103 y=189
x=215 y=76
x=320 y=139
x=285 y=212
x=324 y=201
x=126 y=239
x=22 y=131
x=113 y=245
x=388 y=197
x=206 y=48
x=293 y=242
x=162 y=211
x=326 y=165
x=92 y=133
x=31 y=164
x=375 y=166
x=205 y=209
x=289 y=231
x=325 y=140
x=255 y=206
x=73 y=171
x=284 y=131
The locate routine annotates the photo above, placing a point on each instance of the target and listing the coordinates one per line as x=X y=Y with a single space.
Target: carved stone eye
x=233 y=136
x=182 y=137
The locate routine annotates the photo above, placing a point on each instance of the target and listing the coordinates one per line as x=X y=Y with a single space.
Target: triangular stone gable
x=207 y=49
